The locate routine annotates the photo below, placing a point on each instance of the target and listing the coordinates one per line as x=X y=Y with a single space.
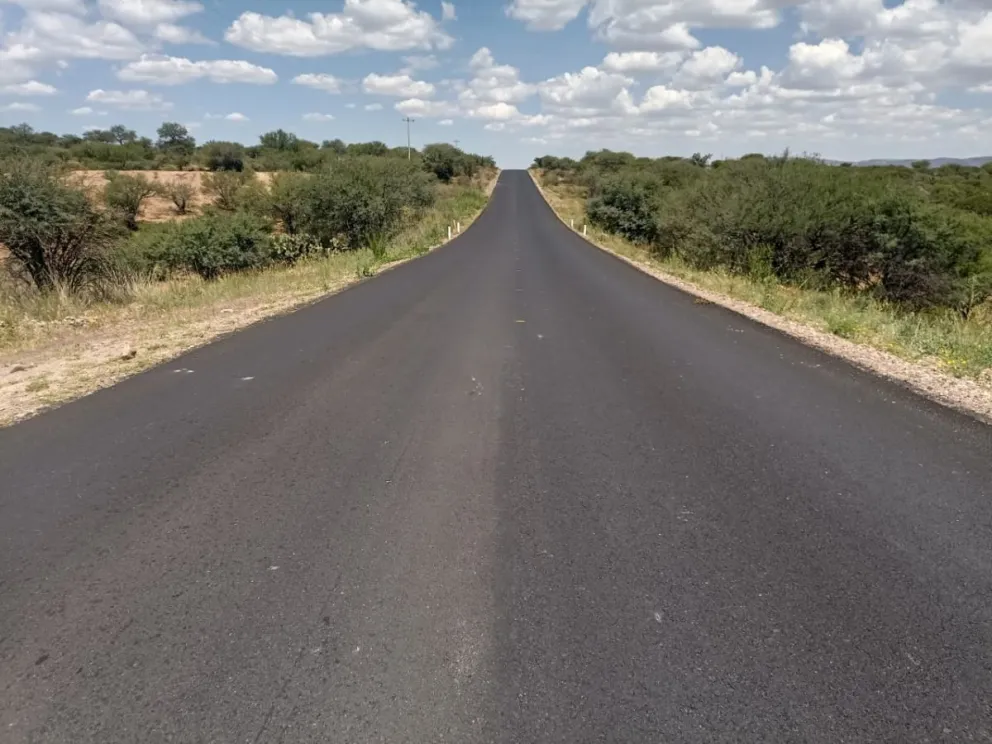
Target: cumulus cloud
x=48 y=36
x=147 y=12
x=707 y=67
x=634 y=62
x=373 y=107
x=590 y=88
x=448 y=11
x=384 y=25
x=173 y=34
x=163 y=70
x=315 y=116
x=492 y=83
x=649 y=24
x=401 y=85
x=545 y=15
x=419 y=107
x=20 y=106
x=63 y=6
x=236 y=116
x=140 y=100
x=320 y=81
x=30 y=88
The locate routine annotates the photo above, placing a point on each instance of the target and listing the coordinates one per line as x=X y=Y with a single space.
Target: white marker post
x=459 y=228
x=583 y=230
x=449 y=232
x=571 y=223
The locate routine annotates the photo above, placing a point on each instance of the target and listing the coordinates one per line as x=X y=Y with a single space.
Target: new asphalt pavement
x=514 y=491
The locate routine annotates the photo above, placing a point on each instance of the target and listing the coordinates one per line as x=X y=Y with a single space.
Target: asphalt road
x=514 y=491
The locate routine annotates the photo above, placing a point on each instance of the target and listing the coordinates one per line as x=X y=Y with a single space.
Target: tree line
x=174 y=148
x=58 y=235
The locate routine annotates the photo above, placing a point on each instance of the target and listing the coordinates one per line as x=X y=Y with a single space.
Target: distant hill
x=934 y=162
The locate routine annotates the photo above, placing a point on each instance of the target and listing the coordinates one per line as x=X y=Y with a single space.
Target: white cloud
x=650 y=24
x=314 y=116
x=140 y=100
x=446 y=123
x=30 y=88
x=374 y=107
x=63 y=6
x=707 y=67
x=320 y=81
x=591 y=88
x=448 y=11
x=397 y=85
x=545 y=15
x=173 y=34
x=821 y=66
x=419 y=107
x=493 y=83
x=147 y=12
x=49 y=36
x=384 y=25
x=86 y=111
x=633 y=62
x=350 y=105
x=19 y=106
x=499 y=111
x=163 y=70
x=236 y=116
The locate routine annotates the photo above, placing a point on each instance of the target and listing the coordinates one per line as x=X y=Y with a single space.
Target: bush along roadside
x=81 y=289
x=896 y=258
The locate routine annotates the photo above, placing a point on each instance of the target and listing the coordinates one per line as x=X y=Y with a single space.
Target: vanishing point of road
x=514 y=491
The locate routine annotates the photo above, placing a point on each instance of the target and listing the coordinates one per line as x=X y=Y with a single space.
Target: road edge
x=964 y=396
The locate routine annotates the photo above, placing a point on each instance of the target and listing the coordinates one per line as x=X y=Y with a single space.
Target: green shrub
x=289 y=199
x=54 y=234
x=289 y=249
x=918 y=238
x=363 y=199
x=232 y=191
x=180 y=192
x=124 y=195
x=214 y=244
x=223 y=156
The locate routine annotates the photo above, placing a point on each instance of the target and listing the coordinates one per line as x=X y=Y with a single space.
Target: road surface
x=514 y=491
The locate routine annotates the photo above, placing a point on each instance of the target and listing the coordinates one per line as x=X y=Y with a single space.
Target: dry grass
x=56 y=347
x=940 y=355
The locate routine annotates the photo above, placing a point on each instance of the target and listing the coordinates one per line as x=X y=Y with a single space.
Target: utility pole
x=409 y=150
x=457 y=142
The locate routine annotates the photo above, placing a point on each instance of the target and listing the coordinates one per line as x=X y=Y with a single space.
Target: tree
x=55 y=235
x=369 y=148
x=223 y=156
x=442 y=160
x=335 y=145
x=279 y=140
x=921 y=165
x=122 y=135
x=103 y=136
x=175 y=141
x=125 y=194
x=22 y=132
x=700 y=160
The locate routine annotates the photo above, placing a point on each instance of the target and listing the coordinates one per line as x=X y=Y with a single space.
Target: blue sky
x=848 y=79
